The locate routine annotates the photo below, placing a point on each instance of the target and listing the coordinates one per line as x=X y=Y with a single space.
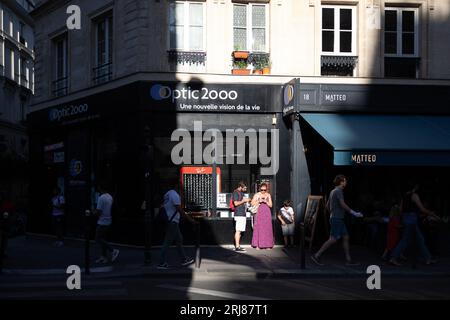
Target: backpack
x=232 y=206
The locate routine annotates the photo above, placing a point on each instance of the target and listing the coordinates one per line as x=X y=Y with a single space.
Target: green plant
x=259 y=60
x=240 y=64
x=267 y=63
x=237 y=47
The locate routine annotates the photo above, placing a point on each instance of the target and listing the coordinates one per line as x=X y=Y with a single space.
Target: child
x=286 y=217
x=393 y=232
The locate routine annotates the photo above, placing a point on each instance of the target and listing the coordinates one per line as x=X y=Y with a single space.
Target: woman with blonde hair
x=262 y=228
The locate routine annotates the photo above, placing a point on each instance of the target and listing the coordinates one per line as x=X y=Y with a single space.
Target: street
x=217 y=287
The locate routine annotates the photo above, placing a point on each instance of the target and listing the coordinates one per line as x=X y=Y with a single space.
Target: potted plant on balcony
x=238 y=53
x=266 y=66
x=257 y=67
x=240 y=67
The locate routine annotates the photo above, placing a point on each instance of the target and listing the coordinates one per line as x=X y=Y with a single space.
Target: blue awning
x=389 y=140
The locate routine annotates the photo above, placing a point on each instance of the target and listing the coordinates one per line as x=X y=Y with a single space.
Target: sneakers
x=430 y=262
x=163 y=266
x=114 y=255
x=316 y=260
x=240 y=249
x=395 y=262
x=352 y=263
x=58 y=244
x=102 y=259
x=187 y=262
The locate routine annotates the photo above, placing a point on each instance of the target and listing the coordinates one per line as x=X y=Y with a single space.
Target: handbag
x=253 y=209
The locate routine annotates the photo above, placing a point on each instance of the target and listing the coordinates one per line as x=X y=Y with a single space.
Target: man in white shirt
x=103 y=212
x=174 y=211
x=58 y=204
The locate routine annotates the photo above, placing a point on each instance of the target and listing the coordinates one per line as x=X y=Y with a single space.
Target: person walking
x=393 y=231
x=410 y=207
x=240 y=218
x=103 y=212
x=58 y=204
x=173 y=211
x=337 y=208
x=262 y=229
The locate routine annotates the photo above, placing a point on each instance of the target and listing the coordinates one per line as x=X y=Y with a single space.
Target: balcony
x=342 y=66
x=186 y=57
x=60 y=87
x=102 y=73
x=186 y=60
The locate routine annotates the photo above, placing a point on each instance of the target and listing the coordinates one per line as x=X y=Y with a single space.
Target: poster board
x=314 y=215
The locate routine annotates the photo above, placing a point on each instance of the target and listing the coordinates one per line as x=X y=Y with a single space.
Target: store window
x=338 y=40
x=103 y=48
x=401 y=41
x=196 y=178
x=250 y=27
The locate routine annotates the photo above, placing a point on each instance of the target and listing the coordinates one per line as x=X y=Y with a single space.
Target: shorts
x=241 y=222
x=338 y=228
x=288 y=229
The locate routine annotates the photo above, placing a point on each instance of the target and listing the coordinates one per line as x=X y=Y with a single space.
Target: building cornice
x=47 y=6
x=19 y=11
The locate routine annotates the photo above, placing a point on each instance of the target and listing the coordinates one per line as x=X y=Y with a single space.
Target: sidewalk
x=35 y=255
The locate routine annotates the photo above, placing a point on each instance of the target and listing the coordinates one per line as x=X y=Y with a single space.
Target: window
x=338 y=41
x=9 y=63
x=338 y=30
x=60 y=83
x=401 y=42
x=104 y=49
x=24 y=72
x=186 y=27
x=2 y=62
x=21 y=34
x=250 y=27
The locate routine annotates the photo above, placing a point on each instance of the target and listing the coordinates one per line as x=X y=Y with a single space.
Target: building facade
x=16 y=89
x=137 y=72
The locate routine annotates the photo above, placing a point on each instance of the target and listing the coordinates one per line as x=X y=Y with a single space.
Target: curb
x=108 y=272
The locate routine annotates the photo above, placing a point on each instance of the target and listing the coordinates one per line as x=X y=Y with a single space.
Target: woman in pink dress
x=262 y=227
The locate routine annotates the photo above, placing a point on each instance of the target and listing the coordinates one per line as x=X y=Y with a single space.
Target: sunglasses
x=263 y=189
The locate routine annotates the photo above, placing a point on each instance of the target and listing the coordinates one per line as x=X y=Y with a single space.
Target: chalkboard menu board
x=314 y=211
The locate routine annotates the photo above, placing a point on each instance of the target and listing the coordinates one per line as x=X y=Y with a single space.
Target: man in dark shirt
x=337 y=208
x=239 y=214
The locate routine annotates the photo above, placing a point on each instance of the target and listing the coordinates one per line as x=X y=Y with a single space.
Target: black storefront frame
x=344 y=98
x=109 y=106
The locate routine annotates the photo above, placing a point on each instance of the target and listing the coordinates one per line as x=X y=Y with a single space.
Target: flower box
x=240 y=72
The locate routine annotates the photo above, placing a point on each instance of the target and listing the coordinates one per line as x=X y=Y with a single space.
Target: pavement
x=35 y=255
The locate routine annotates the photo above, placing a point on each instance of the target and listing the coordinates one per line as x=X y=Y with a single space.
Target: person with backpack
x=171 y=215
x=237 y=206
